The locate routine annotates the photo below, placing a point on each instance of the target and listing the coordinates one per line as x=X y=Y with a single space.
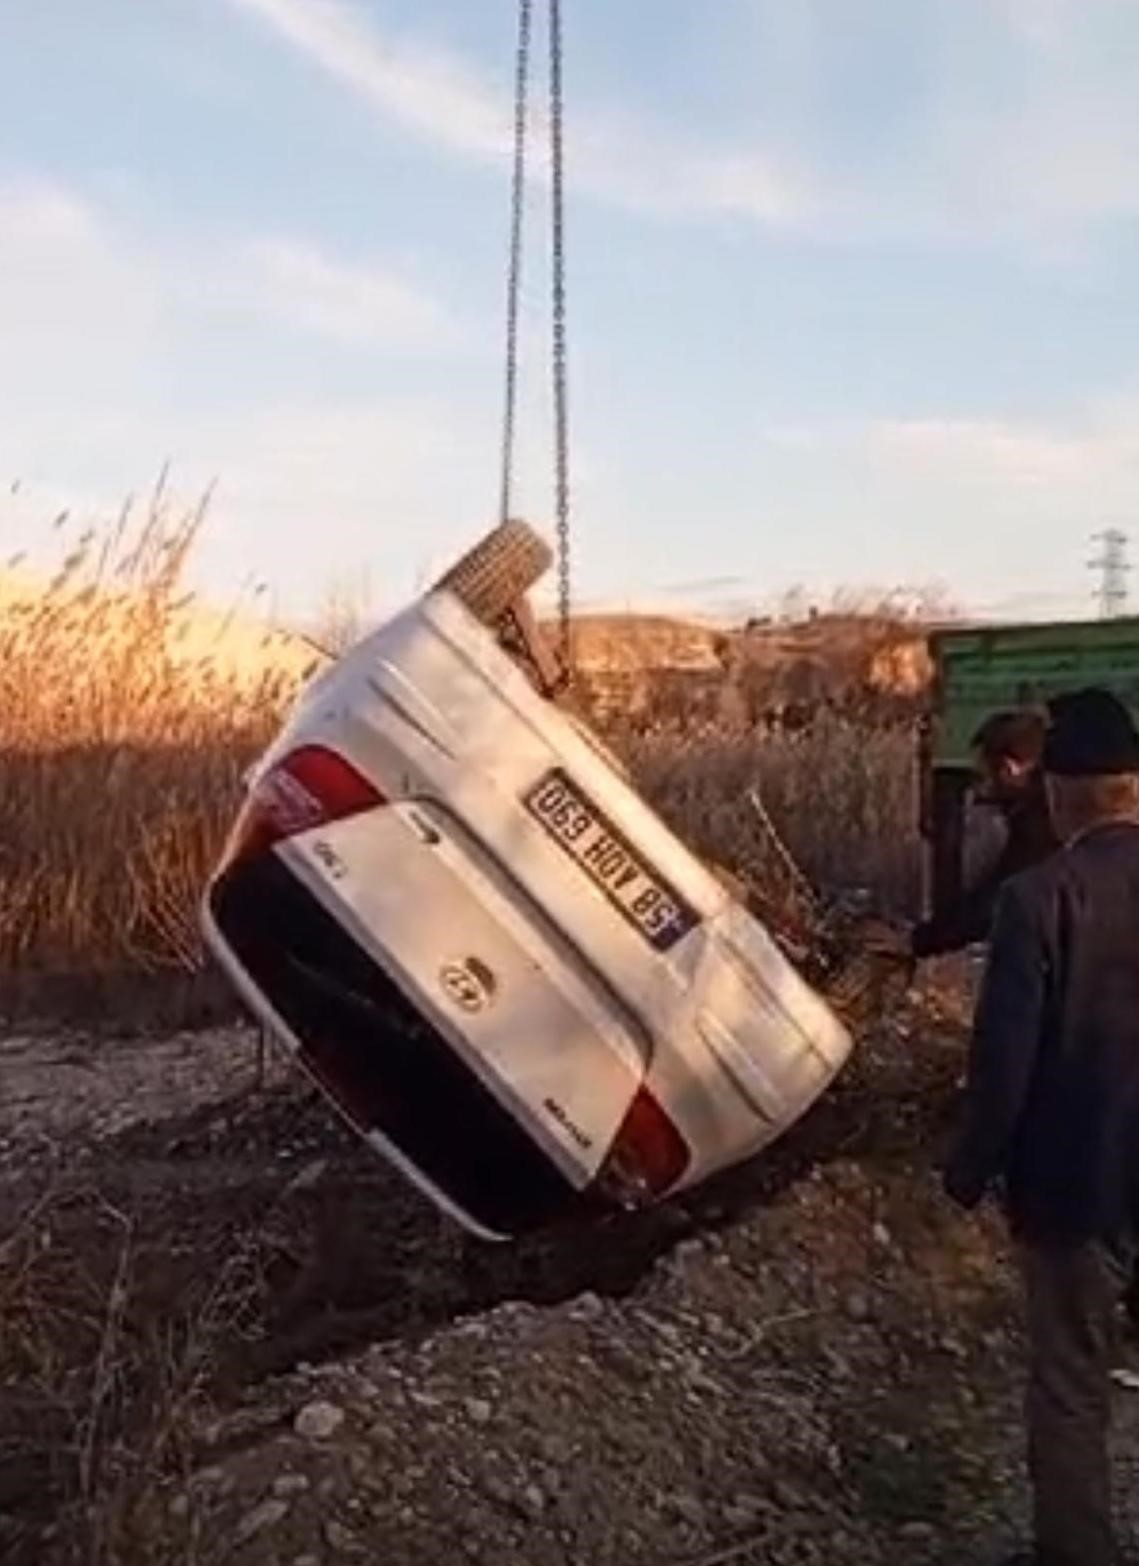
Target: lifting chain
x=559 y=358
x=514 y=270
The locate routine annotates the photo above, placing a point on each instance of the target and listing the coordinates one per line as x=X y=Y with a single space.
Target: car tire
x=498 y=571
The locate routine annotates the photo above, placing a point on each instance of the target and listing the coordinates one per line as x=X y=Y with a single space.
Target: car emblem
x=470 y=984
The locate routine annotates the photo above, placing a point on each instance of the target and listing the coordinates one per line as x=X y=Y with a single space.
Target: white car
x=450 y=904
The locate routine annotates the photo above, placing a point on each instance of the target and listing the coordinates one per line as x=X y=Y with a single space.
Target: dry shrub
x=841 y=794
x=120 y=760
x=120 y=765
x=104 y=1382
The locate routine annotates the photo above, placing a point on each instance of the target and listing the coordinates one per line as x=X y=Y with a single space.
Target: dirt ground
x=228 y=1333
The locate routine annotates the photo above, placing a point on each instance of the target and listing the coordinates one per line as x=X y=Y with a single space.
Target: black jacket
x=1029 y=839
x=1052 y=1104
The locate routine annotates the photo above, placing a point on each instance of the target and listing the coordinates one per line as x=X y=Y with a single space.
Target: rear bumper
x=378 y=1058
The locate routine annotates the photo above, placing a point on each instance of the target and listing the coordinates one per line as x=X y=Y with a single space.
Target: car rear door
x=516 y=1003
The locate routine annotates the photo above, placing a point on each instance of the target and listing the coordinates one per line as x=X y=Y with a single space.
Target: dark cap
x=1091 y=735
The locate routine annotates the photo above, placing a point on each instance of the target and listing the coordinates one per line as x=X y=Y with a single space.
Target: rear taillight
x=648 y=1156
x=308 y=788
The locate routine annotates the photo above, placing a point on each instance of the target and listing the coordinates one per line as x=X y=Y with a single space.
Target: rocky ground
x=227 y=1333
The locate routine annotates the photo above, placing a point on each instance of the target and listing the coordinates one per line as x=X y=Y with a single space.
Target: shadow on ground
x=191 y=1258
x=349 y=1254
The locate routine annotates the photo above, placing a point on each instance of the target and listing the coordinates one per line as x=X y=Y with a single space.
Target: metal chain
x=514 y=277
x=560 y=354
x=560 y=358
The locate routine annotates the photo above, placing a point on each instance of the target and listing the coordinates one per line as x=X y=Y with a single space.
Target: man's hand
x=962 y=1185
x=887 y=944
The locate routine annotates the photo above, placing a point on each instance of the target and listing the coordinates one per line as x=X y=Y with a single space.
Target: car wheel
x=498 y=571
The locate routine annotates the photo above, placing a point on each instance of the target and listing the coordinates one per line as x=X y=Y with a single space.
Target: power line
x=1113 y=568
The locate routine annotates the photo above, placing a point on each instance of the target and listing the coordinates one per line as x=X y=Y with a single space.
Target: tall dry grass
x=841 y=793
x=119 y=759
x=120 y=764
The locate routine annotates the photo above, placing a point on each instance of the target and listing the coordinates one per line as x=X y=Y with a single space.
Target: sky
x=853 y=289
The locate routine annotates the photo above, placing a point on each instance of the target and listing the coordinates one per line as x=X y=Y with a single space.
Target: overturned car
x=450 y=904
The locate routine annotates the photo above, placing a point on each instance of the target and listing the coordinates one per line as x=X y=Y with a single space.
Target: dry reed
x=120 y=764
x=119 y=758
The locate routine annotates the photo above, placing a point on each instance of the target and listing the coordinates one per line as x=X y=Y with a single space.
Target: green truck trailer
x=979 y=670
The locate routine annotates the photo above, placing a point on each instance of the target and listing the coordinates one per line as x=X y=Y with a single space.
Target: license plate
x=606 y=858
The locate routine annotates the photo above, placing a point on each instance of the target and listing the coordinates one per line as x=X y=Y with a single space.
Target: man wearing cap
x=1007 y=750
x=1052 y=1110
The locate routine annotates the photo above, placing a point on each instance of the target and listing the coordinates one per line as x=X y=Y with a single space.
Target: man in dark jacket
x=1007 y=750
x=1052 y=1110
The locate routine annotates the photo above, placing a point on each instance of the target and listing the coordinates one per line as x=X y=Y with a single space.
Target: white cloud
x=348 y=303
x=1060 y=146
x=1094 y=451
x=647 y=169
x=387 y=487
x=78 y=289
x=1063 y=157
x=613 y=156
x=1017 y=454
x=1056 y=147
x=78 y=311
x=1047 y=25
x=428 y=92
x=1099 y=451
x=1000 y=508
x=102 y=327
x=38 y=212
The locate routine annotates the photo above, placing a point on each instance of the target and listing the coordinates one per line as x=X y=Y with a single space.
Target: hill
x=652 y=667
